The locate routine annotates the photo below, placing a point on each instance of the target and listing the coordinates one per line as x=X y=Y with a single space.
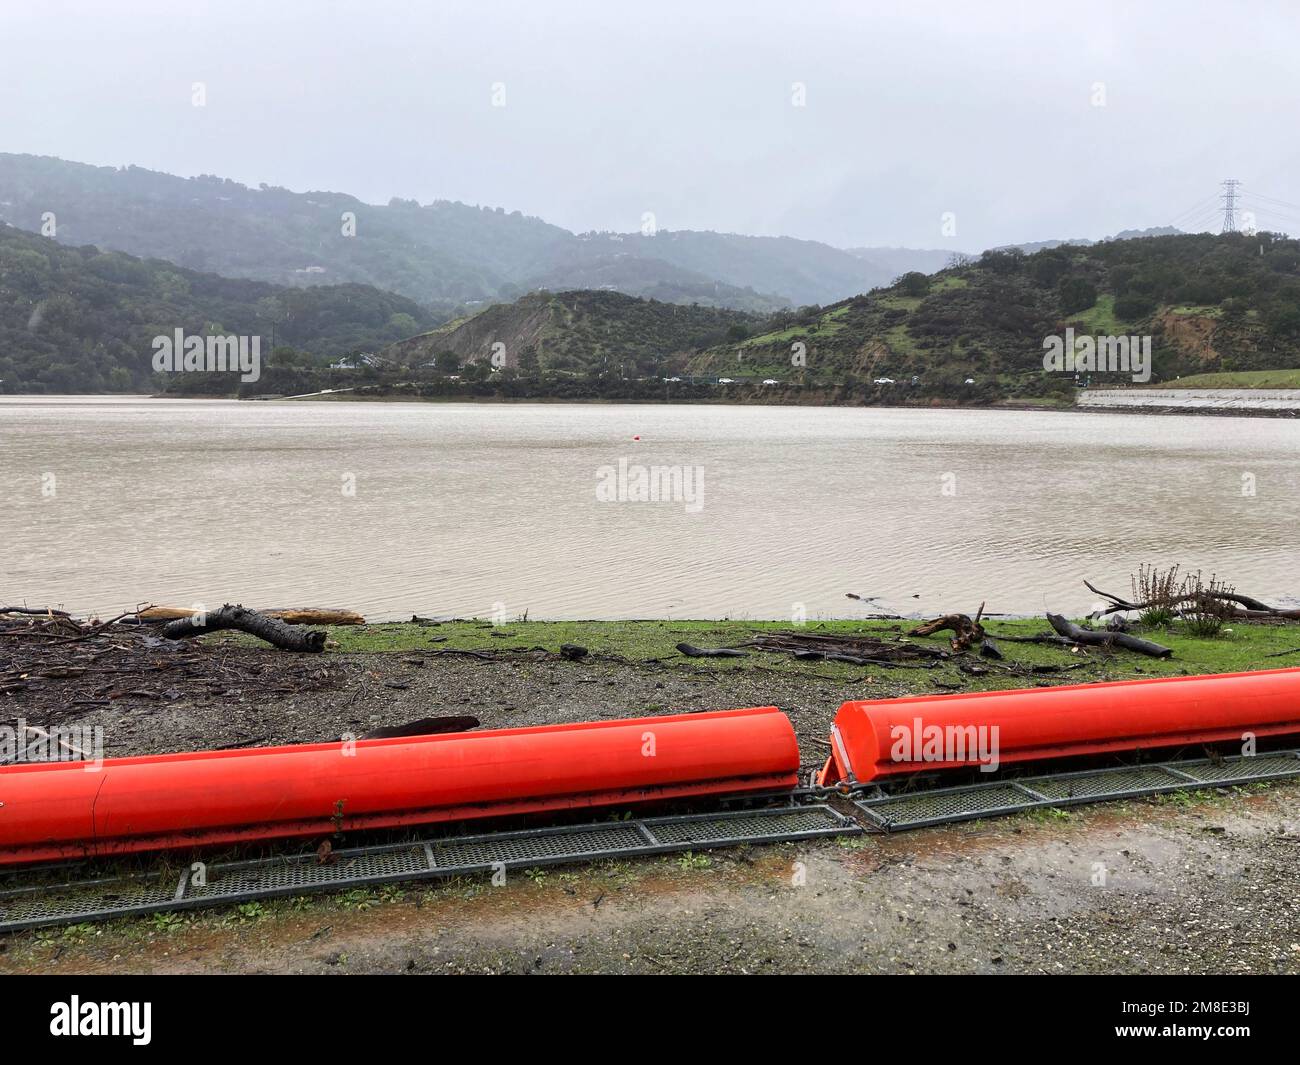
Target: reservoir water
x=495 y=509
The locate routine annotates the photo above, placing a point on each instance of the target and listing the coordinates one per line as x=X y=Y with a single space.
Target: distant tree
x=1047 y=268
x=1234 y=310
x=1131 y=308
x=446 y=362
x=914 y=283
x=1007 y=261
x=1285 y=323
x=1077 y=294
x=284 y=355
x=403 y=325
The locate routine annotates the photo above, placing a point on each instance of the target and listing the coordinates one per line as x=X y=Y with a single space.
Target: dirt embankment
x=1191 y=334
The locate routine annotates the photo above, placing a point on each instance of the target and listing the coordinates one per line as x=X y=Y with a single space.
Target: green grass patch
x=1239 y=647
x=900 y=342
x=827 y=325
x=1099 y=319
x=1244 y=379
x=894 y=302
x=945 y=284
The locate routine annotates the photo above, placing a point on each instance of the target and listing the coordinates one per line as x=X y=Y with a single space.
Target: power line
x=1274 y=199
x=1270 y=207
x=1196 y=210
x=1202 y=219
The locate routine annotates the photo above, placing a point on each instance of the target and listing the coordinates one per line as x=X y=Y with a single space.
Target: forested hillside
x=82 y=320
x=1209 y=303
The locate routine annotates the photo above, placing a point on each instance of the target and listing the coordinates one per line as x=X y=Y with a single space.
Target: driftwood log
x=691 y=651
x=301 y=615
x=854 y=648
x=965 y=633
x=272 y=630
x=1092 y=638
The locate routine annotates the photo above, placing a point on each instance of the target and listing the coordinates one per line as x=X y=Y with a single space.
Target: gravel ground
x=270 y=698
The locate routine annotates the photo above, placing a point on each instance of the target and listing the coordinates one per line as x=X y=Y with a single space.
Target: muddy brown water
x=490 y=510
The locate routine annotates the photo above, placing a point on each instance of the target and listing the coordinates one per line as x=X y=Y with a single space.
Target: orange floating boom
x=879 y=738
x=71 y=809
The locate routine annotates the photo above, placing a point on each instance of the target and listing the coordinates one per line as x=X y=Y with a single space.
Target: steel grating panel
x=60 y=904
x=41 y=898
x=1095 y=785
x=592 y=839
x=791 y=823
x=946 y=805
x=280 y=876
x=1260 y=767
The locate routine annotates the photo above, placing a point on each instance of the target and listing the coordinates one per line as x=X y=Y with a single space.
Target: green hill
x=82 y=320
x=1209 y=303
x=578 y=332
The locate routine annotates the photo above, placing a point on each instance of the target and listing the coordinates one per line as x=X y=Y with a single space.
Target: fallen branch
x=1041 y=637
x=272 y=630
x=1253 y=608
x=303 y=615
x=691 y=651
x=855 y=649
x=1270 y=614
x=1091 y=638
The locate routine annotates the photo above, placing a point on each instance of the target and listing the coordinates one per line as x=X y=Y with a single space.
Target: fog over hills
x=443 y=254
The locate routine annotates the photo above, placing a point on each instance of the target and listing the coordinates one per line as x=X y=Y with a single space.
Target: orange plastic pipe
x=66 y=810
x=880 y=738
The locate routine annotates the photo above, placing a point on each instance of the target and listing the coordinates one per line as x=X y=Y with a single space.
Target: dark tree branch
x=272 y=630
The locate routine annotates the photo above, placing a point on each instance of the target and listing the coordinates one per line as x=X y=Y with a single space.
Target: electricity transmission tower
x=1230 y=205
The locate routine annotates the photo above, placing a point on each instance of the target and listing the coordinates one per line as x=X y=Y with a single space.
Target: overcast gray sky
x=986 y=110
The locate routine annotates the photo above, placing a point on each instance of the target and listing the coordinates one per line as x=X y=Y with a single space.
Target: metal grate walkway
x=939 y=806
x=47 y=897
